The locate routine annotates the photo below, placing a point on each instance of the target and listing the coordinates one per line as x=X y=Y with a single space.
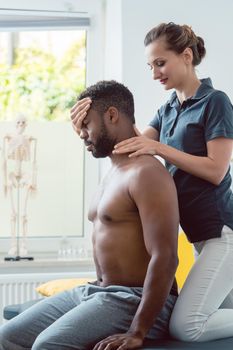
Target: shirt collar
x=204 y=89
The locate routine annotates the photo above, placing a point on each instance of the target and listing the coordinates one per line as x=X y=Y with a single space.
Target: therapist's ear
x=188 y=55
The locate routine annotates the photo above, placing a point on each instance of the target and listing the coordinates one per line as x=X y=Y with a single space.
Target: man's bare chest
x=112 y=201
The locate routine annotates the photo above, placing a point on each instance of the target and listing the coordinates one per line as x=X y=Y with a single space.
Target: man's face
x=96 y=136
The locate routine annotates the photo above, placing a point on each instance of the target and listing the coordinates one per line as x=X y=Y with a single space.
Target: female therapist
x=193 y=133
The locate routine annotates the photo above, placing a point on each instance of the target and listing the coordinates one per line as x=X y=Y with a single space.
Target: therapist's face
x=168 y=67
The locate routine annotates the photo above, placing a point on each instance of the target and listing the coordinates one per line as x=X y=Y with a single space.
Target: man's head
x=112 y=111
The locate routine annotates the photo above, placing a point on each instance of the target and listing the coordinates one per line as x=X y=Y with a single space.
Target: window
x=43 y=69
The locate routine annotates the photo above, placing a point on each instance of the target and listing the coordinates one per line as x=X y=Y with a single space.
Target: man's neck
x=119 y=159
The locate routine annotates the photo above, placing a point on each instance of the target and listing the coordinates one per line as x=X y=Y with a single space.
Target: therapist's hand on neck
x=137 y=145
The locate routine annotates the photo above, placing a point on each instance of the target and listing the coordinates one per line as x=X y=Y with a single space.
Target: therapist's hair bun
x=177 y=38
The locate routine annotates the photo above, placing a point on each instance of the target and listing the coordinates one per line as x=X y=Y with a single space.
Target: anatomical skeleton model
x=19 y=180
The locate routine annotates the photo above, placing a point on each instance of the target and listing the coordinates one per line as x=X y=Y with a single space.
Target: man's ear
x=112 y=115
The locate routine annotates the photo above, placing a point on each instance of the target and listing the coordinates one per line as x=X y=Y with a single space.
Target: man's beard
x=104 y=145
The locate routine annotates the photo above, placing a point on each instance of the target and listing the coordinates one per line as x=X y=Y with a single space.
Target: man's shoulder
x=148 y=168
x=150 y=179
x=146 y=162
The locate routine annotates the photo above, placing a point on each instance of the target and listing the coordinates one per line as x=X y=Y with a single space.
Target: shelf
x=46 y=264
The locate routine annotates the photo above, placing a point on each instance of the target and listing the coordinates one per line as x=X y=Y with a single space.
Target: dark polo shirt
x=204 y=207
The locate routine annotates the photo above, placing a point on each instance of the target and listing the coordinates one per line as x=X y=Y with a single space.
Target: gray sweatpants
x=79 y=318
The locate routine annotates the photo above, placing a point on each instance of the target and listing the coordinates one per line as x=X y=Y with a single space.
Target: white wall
x=113 y=40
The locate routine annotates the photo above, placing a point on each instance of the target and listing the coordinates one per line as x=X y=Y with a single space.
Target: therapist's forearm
x=203 y=167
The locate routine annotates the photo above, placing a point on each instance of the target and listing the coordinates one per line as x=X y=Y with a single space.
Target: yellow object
x=186 y=259
x=56 y=286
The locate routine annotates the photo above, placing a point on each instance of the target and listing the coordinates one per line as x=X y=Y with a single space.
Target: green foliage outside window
x=41 y=86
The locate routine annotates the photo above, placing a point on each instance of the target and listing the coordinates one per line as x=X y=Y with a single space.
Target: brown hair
x=177 y=39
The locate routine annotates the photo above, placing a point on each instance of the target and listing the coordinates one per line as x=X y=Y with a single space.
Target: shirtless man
x=135 y=225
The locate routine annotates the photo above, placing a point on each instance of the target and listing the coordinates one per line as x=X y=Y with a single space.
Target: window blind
x=29 y=19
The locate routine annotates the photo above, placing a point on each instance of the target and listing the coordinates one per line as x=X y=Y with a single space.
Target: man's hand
x=120 y=342
x=79 y=112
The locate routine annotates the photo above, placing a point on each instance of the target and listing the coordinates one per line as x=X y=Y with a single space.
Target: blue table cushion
x=11 y=311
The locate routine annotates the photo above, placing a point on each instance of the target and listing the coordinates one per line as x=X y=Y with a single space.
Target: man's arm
x=155 y=196
x=153 y=191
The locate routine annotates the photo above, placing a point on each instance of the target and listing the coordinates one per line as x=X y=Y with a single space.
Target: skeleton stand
x=18 y=257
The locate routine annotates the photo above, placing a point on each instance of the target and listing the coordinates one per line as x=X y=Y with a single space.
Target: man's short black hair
x=110 y=93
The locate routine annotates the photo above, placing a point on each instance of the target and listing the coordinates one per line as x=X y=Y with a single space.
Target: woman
x=193 y=133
